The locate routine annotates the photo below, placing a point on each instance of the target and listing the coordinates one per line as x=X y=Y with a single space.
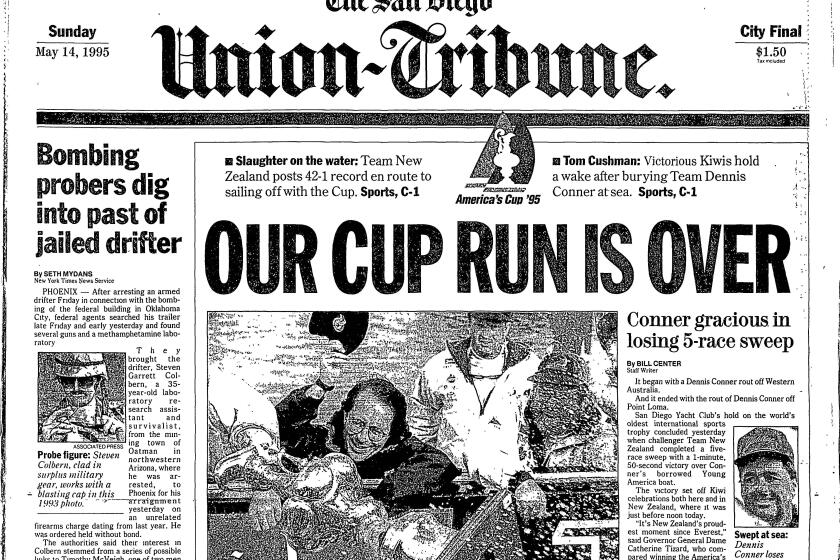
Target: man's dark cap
x=561 y=369
x=492 y=316
x=347 y=327
x=763 y=441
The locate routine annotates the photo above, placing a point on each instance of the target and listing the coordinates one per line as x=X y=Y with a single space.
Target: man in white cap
x=84 y=414
x=469 y=401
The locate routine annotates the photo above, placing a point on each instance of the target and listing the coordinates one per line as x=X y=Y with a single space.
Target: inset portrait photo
x=766 y=476
x=81 y=397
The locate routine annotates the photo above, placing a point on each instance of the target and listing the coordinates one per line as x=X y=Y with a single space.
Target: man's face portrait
x=768 y=490
x=367 y=426
x=562 y=410
x=488 y=338
x=80 y=391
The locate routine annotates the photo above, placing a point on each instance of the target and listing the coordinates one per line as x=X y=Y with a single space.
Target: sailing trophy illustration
x=507 y=159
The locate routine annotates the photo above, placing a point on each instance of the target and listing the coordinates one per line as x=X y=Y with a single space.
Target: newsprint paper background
x=420 y=279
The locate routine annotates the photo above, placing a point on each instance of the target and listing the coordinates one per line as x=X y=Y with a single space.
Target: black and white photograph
x=766 y=480
x=81 y=397
x=412 y=435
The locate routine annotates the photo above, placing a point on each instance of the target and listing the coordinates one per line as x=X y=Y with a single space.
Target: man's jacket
x=490 y=442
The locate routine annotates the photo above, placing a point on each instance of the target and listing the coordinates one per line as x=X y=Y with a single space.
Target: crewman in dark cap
x=570 y=431
x=767 y=471
x=85 y=413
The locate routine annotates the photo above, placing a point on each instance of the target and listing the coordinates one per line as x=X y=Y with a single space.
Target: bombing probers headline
x=507 y=258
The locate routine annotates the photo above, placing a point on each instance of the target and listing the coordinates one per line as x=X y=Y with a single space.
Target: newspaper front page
x=415 y=279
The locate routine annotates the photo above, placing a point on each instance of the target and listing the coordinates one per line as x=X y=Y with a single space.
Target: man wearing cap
x=469 y=401
x=767 y=471
x=84 y=414
x=570 y=430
